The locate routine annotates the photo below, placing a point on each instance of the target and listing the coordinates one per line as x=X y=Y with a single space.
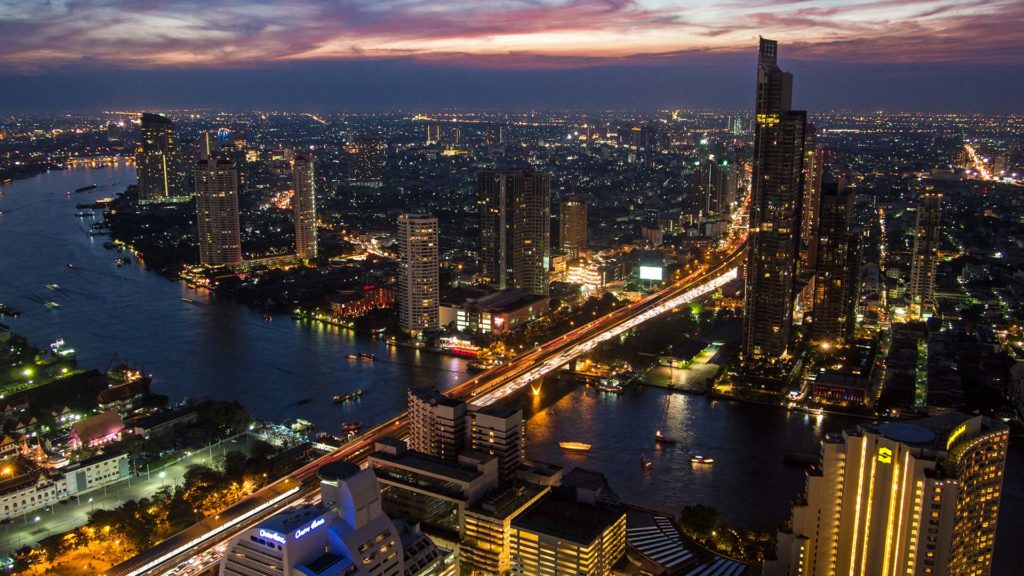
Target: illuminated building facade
x=572 y=227
x=564 y=536
x=348 y=534
x=220 y=242
x=486 y=547
x=837 y=270
x=814 y=170
x=925 y=256
x=919 y=498
x=437 y=424
x=304 y=207
x=774 y=211
x=515 y=229
x=159 y=162
x=418 y=285
x=498 y=432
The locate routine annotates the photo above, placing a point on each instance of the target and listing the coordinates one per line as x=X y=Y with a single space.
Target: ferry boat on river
x=575 y=446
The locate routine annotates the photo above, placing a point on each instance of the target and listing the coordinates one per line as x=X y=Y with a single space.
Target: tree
x=699 y=521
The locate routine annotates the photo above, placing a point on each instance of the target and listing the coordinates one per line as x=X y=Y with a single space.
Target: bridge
x=202 y=539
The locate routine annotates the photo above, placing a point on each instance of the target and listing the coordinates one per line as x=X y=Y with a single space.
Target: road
x=34 y=526
x=174 y=554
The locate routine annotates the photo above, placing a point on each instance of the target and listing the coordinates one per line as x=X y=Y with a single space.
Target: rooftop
x=566 y=519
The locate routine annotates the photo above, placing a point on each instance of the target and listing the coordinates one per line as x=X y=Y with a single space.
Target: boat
x=70 y=265
x=351 y=426
x=58 y=348
x=84 y=214
x=86 y=188
x=662 y=439
x=338 y=398
x=367 y=356
x=646 y=464
x=352 y=357
x=6 y=310
x=120 y=261
x=188 y=300
x=268 y=317
x=575 y=446
x=52 y=304
x=476 y=366
x=698 y=459
x=611 y=386
x=301 y=425
x=53 y=287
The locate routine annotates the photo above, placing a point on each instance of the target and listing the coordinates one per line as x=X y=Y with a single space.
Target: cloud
x=42 y=37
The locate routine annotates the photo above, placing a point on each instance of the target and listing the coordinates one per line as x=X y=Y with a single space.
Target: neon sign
x=957 y=432
x=885 y=455
x=271 y=535
x=312 y=526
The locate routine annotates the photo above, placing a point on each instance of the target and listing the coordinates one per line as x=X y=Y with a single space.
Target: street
x=34 y=526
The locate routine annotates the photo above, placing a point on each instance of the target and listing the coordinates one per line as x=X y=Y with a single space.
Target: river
x=282 y=369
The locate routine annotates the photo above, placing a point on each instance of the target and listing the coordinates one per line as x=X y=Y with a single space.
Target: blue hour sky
x=943 y=55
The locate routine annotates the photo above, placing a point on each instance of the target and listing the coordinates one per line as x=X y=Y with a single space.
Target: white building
x=418 y=285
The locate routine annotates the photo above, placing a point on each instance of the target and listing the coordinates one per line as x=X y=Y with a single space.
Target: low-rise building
x=95 y=431
x=495 y=313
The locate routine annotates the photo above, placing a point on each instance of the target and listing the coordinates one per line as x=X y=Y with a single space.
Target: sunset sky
x=896 y=54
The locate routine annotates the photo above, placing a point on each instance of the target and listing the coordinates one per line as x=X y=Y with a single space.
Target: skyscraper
x=572 y=226
x=220 y=241
x=774 y=211
x=368 y=165
x=496 y=135
x=814 y=169
x=717 y=183
x=433 y=133
x=926 y=253
x=418 y=273
x=899 y=498
x=515 y=230
x=835 y=288
x=159 y=162
x=304 y=207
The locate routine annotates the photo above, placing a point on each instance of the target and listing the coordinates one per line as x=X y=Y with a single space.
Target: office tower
x=515 y=230
x=159 y=162
x=368 y=165
x=304 y=207
x=836 y=274
x=209 y=144
x=437 y=424
x=926 y=253
x=563 y=535
x=774 y=211
x=433 y=133
x=899 y=498
x=418 y=286
x=348 y=534
x=572 y=227
x=453 y=136
x=496 y=135
x=220 y=241
x=814 y=169
x=113 y=132
x=717 y=184
x=498 y=432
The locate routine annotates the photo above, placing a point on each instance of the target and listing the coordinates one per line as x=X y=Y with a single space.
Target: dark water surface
x=215 y=347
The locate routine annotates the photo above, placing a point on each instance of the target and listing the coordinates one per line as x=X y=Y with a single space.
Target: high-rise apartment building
x=717 y=185
x=433 y=133
x=498 y=432
x=445 y=428
x=925 y=256
x=158 y=160
x=572 y=227
x=814 y=170
x=418 y=285
x=837 y=270
x=304 y=207
x=774 y=211
x=918 y=498
x=220 y=242
x=515 y=229
x=437 y=424
x=368 y=164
